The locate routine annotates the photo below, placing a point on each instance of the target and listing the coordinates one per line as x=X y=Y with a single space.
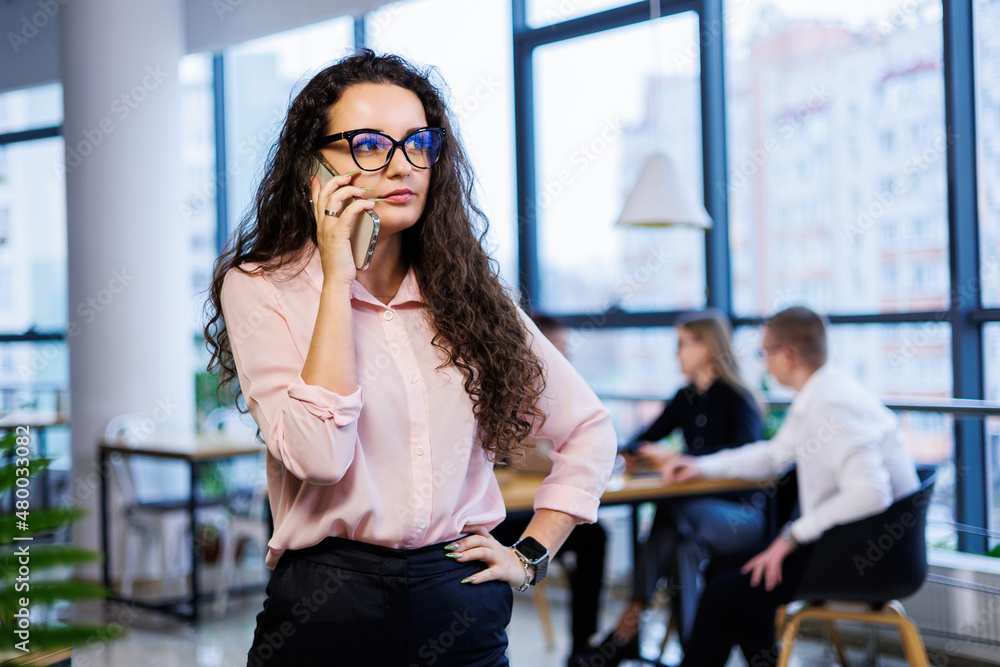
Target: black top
x=721 y=417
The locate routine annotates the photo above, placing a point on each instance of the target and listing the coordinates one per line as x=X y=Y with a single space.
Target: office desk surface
x=519 y=489
x=188 y=447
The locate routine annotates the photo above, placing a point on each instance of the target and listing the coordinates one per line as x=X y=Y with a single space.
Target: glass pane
x=198 y=207
x=31 y=108
x=987 y=68
x=34 y=390
x=475 y=68
x=991 y=368
x=262 y=77
x=547 y=12
x=591 y=141
x=33 y=238
x=622 y=365
x=836 y=139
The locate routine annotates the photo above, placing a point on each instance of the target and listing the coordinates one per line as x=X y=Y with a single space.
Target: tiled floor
x=154 y=640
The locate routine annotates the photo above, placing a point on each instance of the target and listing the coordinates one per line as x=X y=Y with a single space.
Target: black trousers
x=734 y=613
x=348 y=603
x=588 y=542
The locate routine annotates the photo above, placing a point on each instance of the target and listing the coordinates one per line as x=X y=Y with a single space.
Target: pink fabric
x=398 y=462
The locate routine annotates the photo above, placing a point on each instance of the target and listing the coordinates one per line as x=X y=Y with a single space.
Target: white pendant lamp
x=659 y=199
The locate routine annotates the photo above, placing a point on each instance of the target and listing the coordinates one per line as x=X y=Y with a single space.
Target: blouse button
x=421 y=524
x=698 y=442
x=420 y=450
x=413 y=378
x=700 y=420
x=387 y=315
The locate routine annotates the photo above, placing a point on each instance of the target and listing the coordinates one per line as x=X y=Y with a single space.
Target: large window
x=991 y=346
x=987 y=68
x=596 y=123
x=837 y=155
x=34 y=372
x=546 y=12
x=474 y=68
x=31 y=108
x=836 y=185
x=262 y=76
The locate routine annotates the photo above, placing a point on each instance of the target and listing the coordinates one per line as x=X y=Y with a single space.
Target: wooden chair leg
x=913 y=645
x=779 y=619
x=544 y=612
x=788 y=637
x=671 y=628
x=838 y=646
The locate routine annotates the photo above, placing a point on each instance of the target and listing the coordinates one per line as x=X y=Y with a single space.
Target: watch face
x=531 y=548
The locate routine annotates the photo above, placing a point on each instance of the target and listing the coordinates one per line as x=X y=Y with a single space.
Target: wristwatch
x=531 y=552
x=788 y=536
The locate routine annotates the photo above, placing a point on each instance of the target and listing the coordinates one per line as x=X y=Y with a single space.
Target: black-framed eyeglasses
x=372 y=149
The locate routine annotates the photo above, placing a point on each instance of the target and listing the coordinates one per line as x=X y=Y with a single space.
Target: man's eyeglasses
x=372 y=149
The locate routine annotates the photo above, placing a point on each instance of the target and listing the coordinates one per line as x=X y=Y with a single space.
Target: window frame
x=965 y=313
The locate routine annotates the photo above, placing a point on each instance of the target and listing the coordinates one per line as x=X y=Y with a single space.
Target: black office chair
x=888 y=561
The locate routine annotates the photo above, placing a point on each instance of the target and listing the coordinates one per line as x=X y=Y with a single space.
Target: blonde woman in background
x=714 y=411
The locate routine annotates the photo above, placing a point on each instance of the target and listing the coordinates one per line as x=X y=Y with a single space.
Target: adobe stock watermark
x=581 y=158
x=302 y=610
x=825 y=431
x=224 y=7
x=30 y=26
x=624 y=287
x=931 y=332
x=486 y=87
x=884 y=200
x=87 y=310
x=247 y=152
x=756 y=158
x=378 y=20
x=121 y=108
x=432 y=650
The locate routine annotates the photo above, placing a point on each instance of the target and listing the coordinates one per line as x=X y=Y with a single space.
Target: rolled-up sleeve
x=581 y=428
x=311 y=430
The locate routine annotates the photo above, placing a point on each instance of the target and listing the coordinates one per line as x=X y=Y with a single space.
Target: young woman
x=384 y=395
x=714 y=411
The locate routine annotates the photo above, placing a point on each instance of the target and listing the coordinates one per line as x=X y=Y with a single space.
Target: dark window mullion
x=971 y=487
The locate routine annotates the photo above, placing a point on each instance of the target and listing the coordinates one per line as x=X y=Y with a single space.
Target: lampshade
x=659 y=199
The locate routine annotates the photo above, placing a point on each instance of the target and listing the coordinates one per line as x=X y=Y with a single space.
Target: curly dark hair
x=476 y=323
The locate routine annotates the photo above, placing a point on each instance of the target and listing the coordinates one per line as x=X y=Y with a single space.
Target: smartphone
x=364 y=232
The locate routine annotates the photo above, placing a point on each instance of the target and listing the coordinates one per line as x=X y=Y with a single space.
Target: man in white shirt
x=851 y=463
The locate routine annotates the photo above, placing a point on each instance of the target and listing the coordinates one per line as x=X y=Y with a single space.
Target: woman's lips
x=398 y=196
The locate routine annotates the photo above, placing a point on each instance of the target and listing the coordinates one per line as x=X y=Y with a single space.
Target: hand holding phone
x=364 y=228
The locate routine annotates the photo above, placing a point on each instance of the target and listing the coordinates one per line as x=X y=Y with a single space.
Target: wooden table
x=519 y=489
x=195 y=450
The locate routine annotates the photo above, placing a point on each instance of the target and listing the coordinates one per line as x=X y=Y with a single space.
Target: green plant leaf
x=994 y=552
x=45 y=557
x=47 y=638
x=47 y=592
x=8 y=474
x=39 y=521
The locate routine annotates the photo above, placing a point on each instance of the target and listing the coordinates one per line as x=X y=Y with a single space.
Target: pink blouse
x=398 y=462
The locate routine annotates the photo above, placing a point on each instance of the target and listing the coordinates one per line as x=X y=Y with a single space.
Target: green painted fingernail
x=379 y=199
x=351 y=173
x=468 y=580
x=455 y=555
x=451 y=547
x=365 y=187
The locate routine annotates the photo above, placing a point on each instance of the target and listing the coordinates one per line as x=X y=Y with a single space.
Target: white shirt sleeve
x=853 y=457
x=754 y=460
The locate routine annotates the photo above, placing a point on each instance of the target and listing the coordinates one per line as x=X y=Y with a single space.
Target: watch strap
x=541 y=569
